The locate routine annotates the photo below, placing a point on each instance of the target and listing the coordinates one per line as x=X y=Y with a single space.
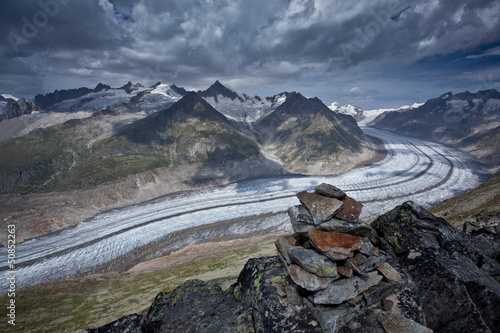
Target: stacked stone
x=330 y=262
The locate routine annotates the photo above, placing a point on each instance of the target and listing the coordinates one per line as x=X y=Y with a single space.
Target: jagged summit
x=298 y=106
x=5 y=101
x=218 y=89
x=238 y=106
x=101 y=86
x=130 y=87
x=193 y=105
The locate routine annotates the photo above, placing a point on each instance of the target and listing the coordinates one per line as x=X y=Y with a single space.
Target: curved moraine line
x=412 y=170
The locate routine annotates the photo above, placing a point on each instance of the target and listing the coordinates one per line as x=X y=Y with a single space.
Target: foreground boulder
x=413 y=272
x=454 y=275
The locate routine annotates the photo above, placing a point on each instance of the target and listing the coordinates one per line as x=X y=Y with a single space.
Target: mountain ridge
x=309 y=137
x=467 y=121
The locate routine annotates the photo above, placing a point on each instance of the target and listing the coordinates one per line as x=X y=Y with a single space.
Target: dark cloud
x=252 y=45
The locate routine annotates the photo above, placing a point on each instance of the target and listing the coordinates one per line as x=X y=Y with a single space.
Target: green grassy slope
x=61 y=157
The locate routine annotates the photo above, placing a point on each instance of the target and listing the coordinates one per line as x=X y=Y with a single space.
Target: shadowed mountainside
x=467 y=121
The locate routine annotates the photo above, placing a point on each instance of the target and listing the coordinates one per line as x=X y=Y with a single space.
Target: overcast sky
x=370 y=53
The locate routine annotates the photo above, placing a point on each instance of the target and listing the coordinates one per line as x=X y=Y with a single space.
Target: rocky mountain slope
x=102 y=148
x=82 y=153
x=6 y=100
x=478 y=207
x=238 y=106
x=14 y=109
x=412 y=272
x=469 y=121
x=66 y=134
x=309 y=138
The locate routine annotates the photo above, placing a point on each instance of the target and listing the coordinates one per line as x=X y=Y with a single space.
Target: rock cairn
x=331 y=264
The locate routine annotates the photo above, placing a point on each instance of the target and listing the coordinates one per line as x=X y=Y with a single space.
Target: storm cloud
x=363 y=51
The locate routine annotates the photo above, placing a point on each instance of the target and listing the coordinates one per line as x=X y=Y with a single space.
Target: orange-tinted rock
x=334 y=242
x=321 y=208
x=350 y=211
x=345 y=271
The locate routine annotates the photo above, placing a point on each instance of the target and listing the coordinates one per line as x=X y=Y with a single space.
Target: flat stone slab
x=345 y=271
x=389 y=272
x=321 y=208
x=372 y=263
x=400 y=324
x=313 y=262
x=332 y=319
x=376 y=293
x=282 y=245
x=342 y=290
x=327 y=241
x=300 y=223
x=330 y=191
x=349 y=263
x=307 y=280
x=300 y=214
x=355 y=229
x=351 y=210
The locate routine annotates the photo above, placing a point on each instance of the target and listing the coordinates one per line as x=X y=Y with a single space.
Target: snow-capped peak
x=238 y=106
x=165 y=90
x=9 y=96
x=347 y=109
x=370 y=115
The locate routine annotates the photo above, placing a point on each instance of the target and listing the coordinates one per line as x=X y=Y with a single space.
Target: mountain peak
x=192 y=104
x=101 y=86
x=347 y=109
x=219 y=89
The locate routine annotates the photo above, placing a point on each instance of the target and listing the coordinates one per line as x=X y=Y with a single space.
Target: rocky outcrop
x=413 y=272
x=454 y=275
x=46 y=101
x=17 y=109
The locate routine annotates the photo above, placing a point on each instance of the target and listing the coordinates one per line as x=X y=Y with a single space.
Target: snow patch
x=7 y=96
x=347 y=109
x=247 y=109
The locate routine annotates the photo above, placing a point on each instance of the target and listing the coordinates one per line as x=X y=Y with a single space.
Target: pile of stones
x=329 y=261
x=408 y=272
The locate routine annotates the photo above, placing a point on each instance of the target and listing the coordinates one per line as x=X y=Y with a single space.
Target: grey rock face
x=445 y=268
x=372 y=263
x=341 y=226
x=345 y=289
x=400 y=324
x=307 y=280
x=334 y=318
x=282 y=246
x=133 y=323
x=313 y=262
x=198 y=306
x=321 y=208
x=330 y=191
x=256 y=288
x=301 y=220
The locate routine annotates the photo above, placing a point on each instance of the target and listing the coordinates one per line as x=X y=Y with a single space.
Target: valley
x=117 y=194
x=413 y=169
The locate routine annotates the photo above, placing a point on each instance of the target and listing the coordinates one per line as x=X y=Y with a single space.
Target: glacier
x=413 y=169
